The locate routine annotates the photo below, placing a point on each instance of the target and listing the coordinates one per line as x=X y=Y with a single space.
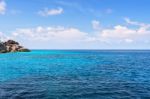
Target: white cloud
x=119 y=32
x=136 y=23
x=51 y=37
x=50 y=33
x=60 y=35
x=49 y=12
x=96 y=25
x=2 y=7
x=143 y=27
x=126 y=33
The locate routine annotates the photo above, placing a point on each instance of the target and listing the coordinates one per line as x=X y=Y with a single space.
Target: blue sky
x=76 y=24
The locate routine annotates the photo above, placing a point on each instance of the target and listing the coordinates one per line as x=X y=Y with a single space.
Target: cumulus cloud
x=118 y=34
x=2 y=7
x=51 y=37
x=58 y=33
x=50 y=12
x=126 y=33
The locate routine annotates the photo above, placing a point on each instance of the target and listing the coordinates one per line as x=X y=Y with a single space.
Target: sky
x=76 y=24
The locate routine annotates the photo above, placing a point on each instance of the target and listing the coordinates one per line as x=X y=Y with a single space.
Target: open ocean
x=75 y=74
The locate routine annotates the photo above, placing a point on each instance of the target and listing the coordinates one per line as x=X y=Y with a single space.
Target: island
x=12 y=46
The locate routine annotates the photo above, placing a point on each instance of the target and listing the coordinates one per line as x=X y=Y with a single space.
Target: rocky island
x=12 y=46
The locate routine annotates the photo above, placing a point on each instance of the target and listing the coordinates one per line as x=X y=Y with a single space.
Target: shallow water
x=75 y=74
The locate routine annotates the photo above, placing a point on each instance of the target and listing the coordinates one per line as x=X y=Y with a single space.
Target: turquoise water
x=75 y=74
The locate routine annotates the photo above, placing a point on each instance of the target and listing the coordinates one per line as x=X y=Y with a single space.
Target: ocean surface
x=75 y=74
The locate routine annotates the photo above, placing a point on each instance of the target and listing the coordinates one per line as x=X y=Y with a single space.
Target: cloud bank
x=118 y=34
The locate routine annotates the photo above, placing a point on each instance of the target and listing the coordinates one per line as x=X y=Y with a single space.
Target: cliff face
x=12 y=46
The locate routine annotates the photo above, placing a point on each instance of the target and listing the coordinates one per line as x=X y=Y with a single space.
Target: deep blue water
x=75 y=74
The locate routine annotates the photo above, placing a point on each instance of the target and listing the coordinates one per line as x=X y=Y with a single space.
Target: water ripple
x=50 y=87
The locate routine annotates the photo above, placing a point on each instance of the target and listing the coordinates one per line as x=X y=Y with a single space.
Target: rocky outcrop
x=12 y=46
x=2 y=48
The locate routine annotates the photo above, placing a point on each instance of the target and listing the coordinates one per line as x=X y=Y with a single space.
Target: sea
x=75 y=74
